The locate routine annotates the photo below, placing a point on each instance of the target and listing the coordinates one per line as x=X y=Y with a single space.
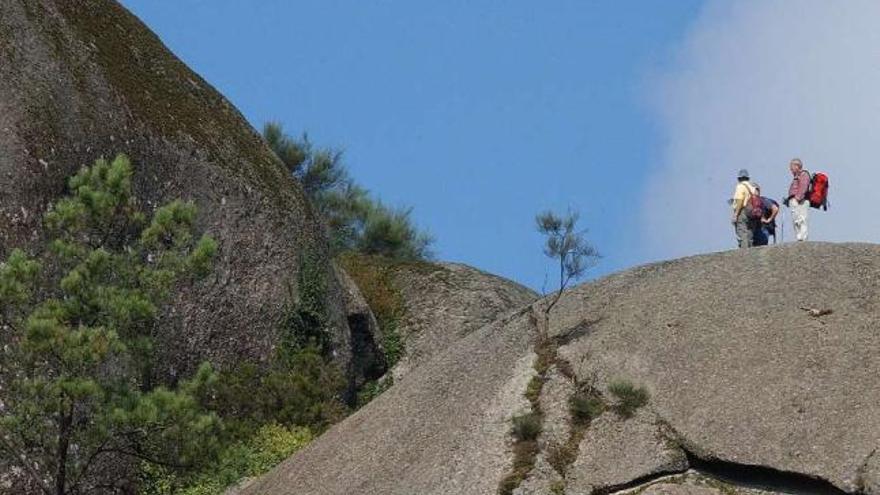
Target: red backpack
x=818 y=192
x=755 y=205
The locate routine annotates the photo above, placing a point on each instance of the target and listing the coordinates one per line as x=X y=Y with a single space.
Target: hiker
x=767 y=225
x=743 y=219
x=797 y=200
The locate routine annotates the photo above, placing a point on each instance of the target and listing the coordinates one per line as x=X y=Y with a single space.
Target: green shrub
x=533 y=390
x=526 y=426
x=390 y=232
x=266 y=448
x=270 y=409
x=305 y=322
x=629 y=397
x=585 y=406
x=392 y=341
x=303 y=390
x=274 y=443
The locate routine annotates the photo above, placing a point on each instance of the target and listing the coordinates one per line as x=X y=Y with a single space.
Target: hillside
x=81 y=79
x=745 y=384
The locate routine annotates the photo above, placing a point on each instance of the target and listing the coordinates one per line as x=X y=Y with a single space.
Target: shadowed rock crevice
x=368 y=361
x=735 y=475
x=739 y=475
x=762 y=477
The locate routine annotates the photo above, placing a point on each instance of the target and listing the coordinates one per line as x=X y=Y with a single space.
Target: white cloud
x=754 y=84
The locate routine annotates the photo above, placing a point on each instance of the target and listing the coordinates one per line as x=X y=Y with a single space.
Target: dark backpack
x=817 y=194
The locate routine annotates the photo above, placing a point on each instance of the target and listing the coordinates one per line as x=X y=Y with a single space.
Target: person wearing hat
x=742 y=223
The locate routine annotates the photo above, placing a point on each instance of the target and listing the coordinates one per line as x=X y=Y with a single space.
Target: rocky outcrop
x=81 y=79
x=437 y=304
x=736 y=363
x=746 y=384
x=445 y=302
x=444 y=429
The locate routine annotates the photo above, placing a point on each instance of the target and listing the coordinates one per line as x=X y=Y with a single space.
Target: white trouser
x=799 y=213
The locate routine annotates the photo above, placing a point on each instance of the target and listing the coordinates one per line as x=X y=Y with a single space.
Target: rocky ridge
x=753 y=388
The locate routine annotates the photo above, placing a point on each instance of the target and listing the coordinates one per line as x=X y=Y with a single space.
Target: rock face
x=444 y=429
x=445 y=302
x=81 y=79
x=745 y=385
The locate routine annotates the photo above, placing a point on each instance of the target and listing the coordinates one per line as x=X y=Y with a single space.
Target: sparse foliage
x=526 y=427
x=629 y=398
x=305 y=323
x=78 y=325
x=585 y=406
x=534 y=388
x=355 y=220
x=390 y=232
x=568 y=246
x=318 y=170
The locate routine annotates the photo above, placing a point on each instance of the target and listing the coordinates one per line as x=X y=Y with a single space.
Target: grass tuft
x=526 y=427
x=629 y=397
x=585 y=407
x=533 y=390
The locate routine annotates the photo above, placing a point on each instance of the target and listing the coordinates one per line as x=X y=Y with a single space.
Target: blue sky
x=476 y=114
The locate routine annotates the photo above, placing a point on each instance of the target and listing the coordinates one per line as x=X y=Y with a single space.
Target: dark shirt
x=765 y=230
x=767 y=205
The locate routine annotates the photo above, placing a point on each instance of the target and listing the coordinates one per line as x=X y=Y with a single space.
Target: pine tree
x=568 y=246
x=77 y=326
x=355 y=221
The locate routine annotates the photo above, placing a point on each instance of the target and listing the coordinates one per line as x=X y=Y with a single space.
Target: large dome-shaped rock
x=80 y=79
x=761 y=369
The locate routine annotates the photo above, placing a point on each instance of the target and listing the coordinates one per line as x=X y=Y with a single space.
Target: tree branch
x=88 y=464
